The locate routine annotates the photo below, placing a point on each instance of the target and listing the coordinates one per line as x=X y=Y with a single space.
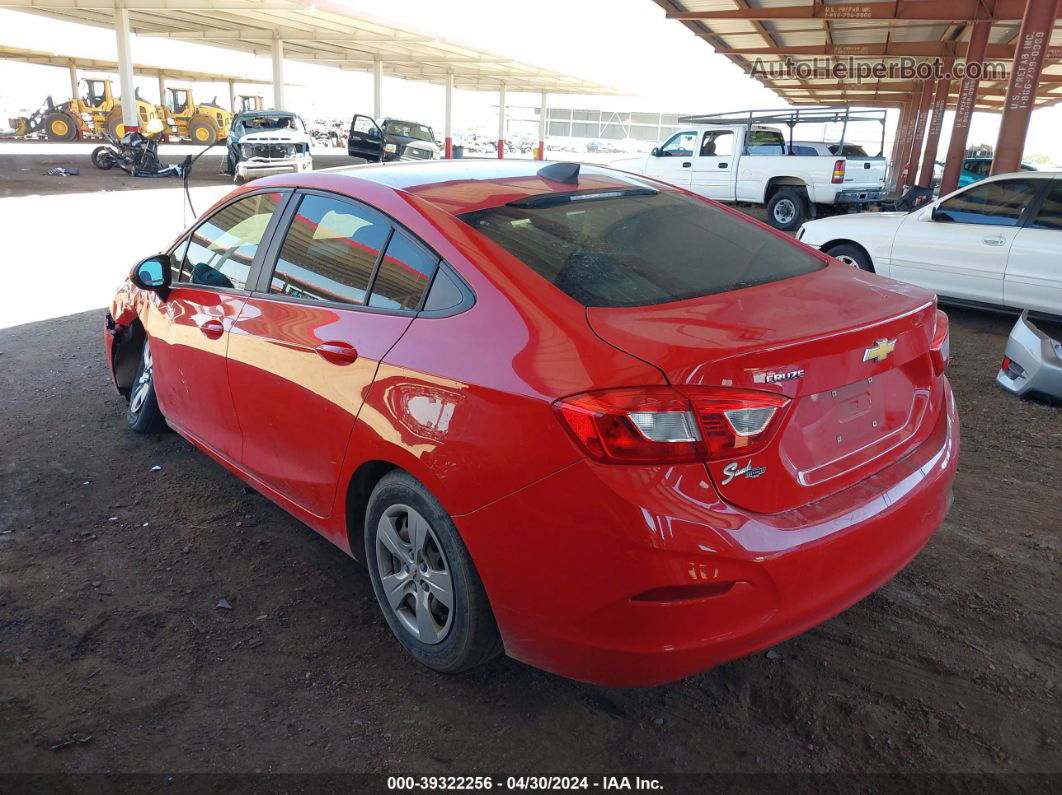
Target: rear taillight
x=735 y=422
x=838 y=171
x=940 y=347
x=660 y=425
x=1012 y=368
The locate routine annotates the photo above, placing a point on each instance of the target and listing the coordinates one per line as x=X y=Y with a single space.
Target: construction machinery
x=249 y=102
x=205 y=123
x=96 y=111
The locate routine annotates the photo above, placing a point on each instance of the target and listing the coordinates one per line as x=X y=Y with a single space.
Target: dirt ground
x=23 y=163
x=116 y=551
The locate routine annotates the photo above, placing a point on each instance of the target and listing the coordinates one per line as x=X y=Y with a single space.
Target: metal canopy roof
x=98 y=65
x=774 y=31
x=315 y=32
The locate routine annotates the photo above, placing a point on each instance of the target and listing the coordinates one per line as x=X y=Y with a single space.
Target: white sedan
x=996 y=243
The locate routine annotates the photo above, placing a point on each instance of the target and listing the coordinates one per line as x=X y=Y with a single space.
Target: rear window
x=638 y=247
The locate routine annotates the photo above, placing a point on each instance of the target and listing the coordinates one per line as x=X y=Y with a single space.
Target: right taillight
x=735 y=421
x=660 y=425
x=940 y=347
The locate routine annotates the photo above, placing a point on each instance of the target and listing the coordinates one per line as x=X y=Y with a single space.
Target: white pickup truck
x=735 y=157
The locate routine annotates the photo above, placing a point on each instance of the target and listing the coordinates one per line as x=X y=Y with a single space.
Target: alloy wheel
x=414 y=574
x=847 y=260
x=142 y=387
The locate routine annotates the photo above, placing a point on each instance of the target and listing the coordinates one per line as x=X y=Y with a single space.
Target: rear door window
x=638 y=246
x=403 y=276
x=330 y=251
x=1049 y=216
x=220 y=251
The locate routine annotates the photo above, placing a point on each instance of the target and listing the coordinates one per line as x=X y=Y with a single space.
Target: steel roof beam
x=901 y=10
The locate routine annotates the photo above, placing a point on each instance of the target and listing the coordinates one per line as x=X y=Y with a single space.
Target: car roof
x=1024 y=175
x=460 y=186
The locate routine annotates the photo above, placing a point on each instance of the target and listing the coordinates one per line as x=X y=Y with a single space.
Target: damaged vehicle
x=267 y=142
x=391 y=139
x=1032 y=362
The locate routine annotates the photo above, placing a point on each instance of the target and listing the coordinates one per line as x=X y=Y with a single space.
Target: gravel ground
x=116 y=656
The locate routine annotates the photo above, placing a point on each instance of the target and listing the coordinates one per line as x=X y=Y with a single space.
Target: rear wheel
x=424 y=580
x=787 y=209
x=851 y=255
x=114 y=125
x=144 y=415
x=60 y=127
x=203 y=131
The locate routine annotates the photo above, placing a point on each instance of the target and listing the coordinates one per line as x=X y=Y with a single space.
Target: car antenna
x=567 y=173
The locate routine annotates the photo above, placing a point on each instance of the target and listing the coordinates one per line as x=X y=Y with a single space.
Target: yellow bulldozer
x=95 y=111
x=204 y=124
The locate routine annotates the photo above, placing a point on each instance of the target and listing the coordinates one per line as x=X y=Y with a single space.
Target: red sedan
x=618 y=431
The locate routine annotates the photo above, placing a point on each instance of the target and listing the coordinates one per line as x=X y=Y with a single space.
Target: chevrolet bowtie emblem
x=880 y=351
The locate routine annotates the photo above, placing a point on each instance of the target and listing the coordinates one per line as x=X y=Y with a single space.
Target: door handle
x=994 y=240
x=724 y=165
x=686 y=164
x=337 y=353
x=212 y=329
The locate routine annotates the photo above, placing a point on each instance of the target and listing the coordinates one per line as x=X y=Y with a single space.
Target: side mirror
x=152 y=274
x=655 y=152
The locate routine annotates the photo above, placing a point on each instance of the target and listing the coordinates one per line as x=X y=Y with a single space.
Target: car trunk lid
x=850 y=350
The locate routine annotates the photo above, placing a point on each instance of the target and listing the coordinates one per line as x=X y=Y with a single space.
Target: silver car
x=1032 y=361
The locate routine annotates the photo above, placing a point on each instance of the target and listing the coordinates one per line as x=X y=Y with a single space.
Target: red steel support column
x=915 y=155
x=900 y=145
x=964 y=106
x=1029 y=49
x=940 y=102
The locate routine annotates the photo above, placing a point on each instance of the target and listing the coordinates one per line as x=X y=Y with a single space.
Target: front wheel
x=424 y=580
x=787 y=210
x=851 y=255
x=144 y=415
x=103 y=157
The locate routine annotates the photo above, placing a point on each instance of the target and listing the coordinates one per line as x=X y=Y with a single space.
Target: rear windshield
x=638 y=247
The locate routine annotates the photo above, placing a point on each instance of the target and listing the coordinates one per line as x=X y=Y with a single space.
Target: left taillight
x=838 y=171
x=660 y=425
x=940 y=347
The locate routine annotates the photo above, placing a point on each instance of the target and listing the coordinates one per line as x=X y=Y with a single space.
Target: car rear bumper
x=563 y=559
x=857 y=196
x=1038 y=358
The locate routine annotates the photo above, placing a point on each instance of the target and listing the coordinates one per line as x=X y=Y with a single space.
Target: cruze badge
x=880 y=350
x=773 y=378
x=735 y=470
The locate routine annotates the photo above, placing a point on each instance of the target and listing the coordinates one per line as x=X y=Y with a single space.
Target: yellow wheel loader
x=203 y=124
x=95 y=111
x=249 y=102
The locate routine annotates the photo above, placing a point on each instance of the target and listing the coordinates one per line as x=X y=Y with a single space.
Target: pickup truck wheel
x=787 y=210
x=851 y=255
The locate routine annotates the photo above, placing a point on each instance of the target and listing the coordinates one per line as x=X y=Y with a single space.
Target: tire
x=60 y=127
x=203 y=131
x=403 y=515
x=787 y=209
x=103 y=157
x=852 y=255
x=114 y=125
x=143 y=415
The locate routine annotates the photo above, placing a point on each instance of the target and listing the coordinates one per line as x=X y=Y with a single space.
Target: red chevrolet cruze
x=620 y=432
